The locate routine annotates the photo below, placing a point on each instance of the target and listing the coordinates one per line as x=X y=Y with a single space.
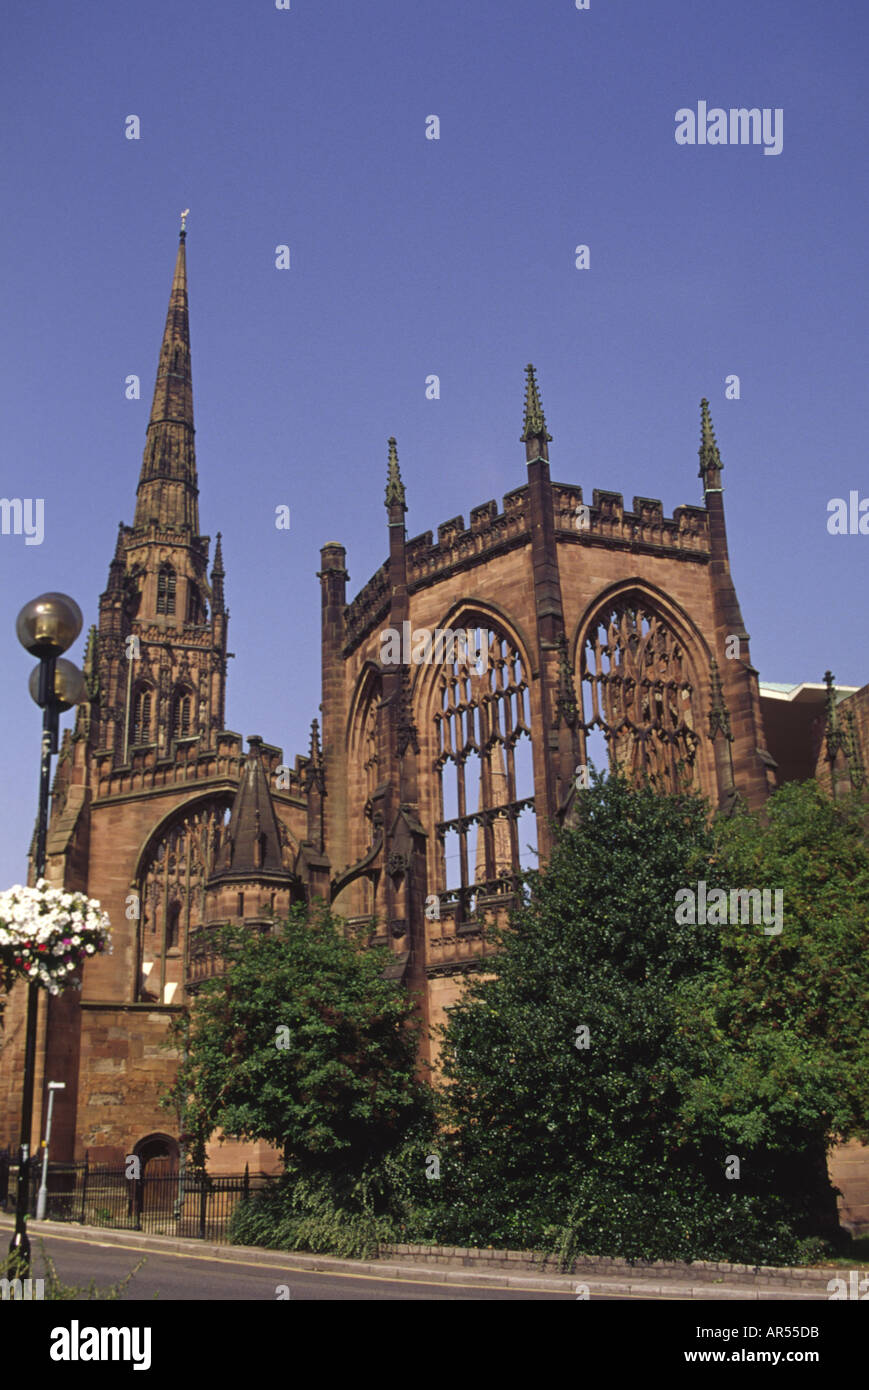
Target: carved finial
x=394 y=485
x=90 y=665
x=710 y=458
x=535 y=424
x=566 y=705
x=406 y=727
x=719 y=715
x=314 y=774
x=836 y=739
x=218 y=574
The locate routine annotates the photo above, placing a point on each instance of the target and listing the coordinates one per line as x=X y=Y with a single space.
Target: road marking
x=299 y=1269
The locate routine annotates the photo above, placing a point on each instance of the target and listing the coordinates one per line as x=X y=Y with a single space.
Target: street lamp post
x=46 y=627
x=42 y=1196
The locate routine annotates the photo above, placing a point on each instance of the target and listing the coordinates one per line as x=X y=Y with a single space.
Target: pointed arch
x=472 y=705
x=363 y=746
x=641 y=666
x=362 y=726
x=172 y=869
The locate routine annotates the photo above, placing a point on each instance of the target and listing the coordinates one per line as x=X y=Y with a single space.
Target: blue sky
x=410 y=257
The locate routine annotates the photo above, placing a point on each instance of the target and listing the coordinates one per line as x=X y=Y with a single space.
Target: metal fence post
x=84 y=1186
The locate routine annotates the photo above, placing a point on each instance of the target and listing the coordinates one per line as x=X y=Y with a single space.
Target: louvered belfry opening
x=166 y=591
x=182 y=711
x=638 y=693
x=142 y=716
x=485 y=780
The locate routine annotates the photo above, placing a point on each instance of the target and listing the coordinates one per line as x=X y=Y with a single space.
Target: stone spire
x=394 y=486
x=253 y=844
x=168 y=491
x=710 y=458
x=217 y=577
x=315 y=772
x=118 y=563
x=535 y=422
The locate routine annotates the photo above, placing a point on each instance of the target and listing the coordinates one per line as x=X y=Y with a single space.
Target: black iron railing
x=161 y=1201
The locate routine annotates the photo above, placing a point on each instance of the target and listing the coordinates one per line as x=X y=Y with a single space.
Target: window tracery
x=485 y=774
x=638 y=694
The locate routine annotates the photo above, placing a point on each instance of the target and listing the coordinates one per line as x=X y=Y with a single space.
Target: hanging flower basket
x=47 y=933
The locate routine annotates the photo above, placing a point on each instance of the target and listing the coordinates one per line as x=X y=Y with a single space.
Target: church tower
x=143 y=797
x=161 y=640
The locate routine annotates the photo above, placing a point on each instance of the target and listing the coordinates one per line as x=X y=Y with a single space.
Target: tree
x=302 y=1042
x=607 y=1140
x=779 y=1050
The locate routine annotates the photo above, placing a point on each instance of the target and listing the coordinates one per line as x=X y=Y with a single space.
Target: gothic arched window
x=638 y=695
x=484 y=762
x=142 y=715
x=166 y=590
x=171 y=883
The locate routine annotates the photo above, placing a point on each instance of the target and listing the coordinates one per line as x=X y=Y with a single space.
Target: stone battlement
x=645 y=525
x=492 y=531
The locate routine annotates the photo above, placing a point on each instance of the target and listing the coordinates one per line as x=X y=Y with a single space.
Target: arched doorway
x=155 y=1188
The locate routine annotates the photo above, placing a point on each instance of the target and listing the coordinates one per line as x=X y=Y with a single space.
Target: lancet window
x=486 y=827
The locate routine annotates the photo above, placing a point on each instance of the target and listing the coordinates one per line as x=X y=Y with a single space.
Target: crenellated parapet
x=145 y=771
x=458 y=547
x=492 y=532
x=369 y=607
x=645 y=527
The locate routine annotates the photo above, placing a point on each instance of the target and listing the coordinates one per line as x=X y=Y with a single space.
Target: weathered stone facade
x=590 y=626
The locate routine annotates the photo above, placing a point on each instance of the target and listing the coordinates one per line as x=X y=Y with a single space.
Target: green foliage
x=302 y=1213
x=777 y=1048
x=304 y=1044
x=620 y=1148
